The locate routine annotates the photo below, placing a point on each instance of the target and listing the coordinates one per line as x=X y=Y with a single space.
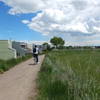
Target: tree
x=46 y=46
x=57 y=42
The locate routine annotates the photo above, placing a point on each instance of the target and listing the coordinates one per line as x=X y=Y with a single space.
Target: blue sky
x=11 y=26
x=76 y=21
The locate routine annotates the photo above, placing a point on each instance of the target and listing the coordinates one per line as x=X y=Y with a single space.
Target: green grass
x=6 y=65
x=70 y=75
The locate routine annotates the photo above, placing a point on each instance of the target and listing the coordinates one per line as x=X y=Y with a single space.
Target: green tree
x=57 y=42
x=46 y=46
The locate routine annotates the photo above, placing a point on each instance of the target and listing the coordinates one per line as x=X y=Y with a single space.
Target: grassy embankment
x=70 y=75
x=6 y=65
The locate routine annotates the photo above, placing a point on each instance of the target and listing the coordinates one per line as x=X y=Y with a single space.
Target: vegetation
x=46 y=46
x=70 y=75
x=57 y=42
x=6 y=65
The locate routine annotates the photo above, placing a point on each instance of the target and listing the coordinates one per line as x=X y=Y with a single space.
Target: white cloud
x=25 y=21
x=24 y=6
x=78 y=18
x=84 y=43
x=97 y=29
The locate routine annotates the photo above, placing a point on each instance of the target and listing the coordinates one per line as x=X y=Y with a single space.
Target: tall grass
x=6 y=65
x=70 y=75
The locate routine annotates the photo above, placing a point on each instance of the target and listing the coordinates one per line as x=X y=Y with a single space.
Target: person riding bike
x=35 y=54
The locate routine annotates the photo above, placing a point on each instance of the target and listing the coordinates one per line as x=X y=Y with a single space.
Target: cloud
x=76 y=18
x=23 y=6
x=25 y=21
x=79 y=4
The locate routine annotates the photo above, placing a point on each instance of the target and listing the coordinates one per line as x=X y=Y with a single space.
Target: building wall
x=6 y=52
x=19 y=50
x=30 y=47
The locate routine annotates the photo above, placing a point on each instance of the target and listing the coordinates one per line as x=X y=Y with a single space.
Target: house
x=27 y=47
x=23 y=45
x=6 y=50
x=20 y=47
x=30 y=47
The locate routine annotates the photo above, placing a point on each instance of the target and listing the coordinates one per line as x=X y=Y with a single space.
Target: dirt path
x=19 y=82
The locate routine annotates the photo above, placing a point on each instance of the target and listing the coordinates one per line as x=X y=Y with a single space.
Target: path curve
x=19 y=82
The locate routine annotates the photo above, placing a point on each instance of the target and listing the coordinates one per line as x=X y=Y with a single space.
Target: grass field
x=70 y=75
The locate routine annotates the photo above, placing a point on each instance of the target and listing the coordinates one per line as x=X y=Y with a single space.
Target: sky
x=76 y=21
